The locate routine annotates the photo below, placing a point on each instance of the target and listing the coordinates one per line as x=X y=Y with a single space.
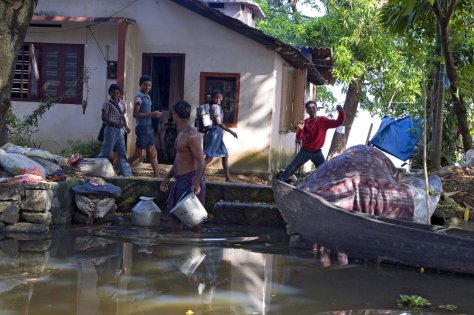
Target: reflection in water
x=375 y=312
x=87 y=271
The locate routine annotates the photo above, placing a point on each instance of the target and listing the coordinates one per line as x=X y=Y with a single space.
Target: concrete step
x=244 y=193
x=263 y=214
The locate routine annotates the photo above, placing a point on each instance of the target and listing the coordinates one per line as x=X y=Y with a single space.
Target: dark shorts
x=144 y=136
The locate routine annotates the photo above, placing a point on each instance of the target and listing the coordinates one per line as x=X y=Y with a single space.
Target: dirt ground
x=457 y=202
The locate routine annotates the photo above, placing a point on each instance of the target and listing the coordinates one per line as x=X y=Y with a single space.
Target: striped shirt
x=113 y=114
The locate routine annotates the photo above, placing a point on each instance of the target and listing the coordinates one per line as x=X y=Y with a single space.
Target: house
x=188 y=48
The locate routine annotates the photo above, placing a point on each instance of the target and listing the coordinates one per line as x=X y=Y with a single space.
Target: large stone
x=9 y=247
x=4 y=205
x=25 y=227
x=35 y=217
x=35 y=246
x=26 y=236
x=37 y=200
x=62 y=204
x=10 y=192
x=11 y=214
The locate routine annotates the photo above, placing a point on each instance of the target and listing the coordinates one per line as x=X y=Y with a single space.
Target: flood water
x=126 y=270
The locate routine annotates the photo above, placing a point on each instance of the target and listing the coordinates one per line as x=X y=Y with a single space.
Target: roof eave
x=289 y=53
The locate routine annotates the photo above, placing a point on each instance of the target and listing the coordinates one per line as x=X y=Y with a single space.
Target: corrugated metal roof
x=291 y=54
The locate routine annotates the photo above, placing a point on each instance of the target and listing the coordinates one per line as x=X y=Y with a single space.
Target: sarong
x=183 y=185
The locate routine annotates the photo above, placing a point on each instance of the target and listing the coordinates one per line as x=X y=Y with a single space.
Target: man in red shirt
x=312 y=133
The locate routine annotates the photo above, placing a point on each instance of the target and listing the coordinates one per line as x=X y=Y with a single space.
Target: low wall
x=32 y=208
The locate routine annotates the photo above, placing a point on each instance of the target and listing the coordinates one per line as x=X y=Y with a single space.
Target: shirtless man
x=188 y=166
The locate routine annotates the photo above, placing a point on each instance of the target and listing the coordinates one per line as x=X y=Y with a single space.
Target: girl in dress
x=213 y=139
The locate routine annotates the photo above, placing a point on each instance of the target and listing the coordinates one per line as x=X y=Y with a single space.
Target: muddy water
x=127 y=270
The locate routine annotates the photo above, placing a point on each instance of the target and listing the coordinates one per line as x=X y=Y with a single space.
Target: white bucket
x=189 y=210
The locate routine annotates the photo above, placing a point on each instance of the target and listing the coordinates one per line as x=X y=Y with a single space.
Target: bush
x=87 y=148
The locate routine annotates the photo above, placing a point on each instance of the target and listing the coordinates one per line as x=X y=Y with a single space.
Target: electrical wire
x=97 y=42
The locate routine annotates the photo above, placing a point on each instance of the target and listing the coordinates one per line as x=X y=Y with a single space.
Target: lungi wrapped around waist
x=182 y=185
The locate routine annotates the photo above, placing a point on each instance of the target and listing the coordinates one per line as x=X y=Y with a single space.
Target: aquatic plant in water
x=413 y=301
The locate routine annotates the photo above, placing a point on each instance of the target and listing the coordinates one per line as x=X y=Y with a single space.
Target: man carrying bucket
x=188 y=166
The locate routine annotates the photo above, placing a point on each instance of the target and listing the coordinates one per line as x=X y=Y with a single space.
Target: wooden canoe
x=372 y=238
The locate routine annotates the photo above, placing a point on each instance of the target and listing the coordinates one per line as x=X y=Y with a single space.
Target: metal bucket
x=189 y=210
x=188 y=260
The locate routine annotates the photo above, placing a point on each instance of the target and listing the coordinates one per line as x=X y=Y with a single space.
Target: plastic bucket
x=189 y=210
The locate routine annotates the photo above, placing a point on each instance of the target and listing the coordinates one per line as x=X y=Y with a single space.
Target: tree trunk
x=437 y=118
x=456 y=94
x=15 y=17
x=339 y=140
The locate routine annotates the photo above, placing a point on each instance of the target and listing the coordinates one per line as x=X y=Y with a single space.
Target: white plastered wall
x=64 y=122
x=165 y=27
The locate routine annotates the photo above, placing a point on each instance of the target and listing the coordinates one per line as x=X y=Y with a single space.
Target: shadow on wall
x=242 y=162
x=254 y=113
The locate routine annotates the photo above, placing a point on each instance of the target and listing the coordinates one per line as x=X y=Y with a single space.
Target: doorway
x=167 y=73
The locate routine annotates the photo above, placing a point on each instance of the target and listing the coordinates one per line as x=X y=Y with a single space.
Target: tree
x=402 y=15
x=375 y=69
x=15 y=16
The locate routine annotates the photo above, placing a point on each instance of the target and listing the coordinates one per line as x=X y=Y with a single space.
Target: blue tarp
x=398 y=137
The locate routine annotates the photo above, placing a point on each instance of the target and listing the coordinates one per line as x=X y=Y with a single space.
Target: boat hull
x=372 y=238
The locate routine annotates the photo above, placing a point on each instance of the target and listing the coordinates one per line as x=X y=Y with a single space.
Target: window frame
x=221 y=75
x=62 y=49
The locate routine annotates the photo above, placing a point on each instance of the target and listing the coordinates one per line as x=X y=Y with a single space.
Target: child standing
x=113 y=117
x=143 y=128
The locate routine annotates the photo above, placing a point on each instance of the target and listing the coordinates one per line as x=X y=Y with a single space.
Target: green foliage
x=388 y=65
x=89 y=147
x=282 y=23
x=11 y=118
x=325 y=96
x=419 y=21
x=413 y=301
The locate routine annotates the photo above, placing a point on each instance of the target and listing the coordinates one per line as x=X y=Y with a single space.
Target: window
x=229 y=85
x=49 y=70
